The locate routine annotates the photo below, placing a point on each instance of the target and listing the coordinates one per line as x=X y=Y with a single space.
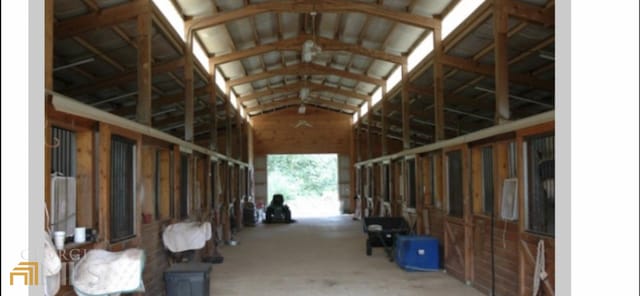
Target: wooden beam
x=488 y=70
x=331 y=104
x=122 y=78
x=294 y=44
x=143 y=112
x=500 y=28
x=297 y=86
x=99 y=53
x=309 y=6
x=213 y=109
x=100 y=19
x=532 y=50
x=308 y=69
x=370 y=123
x=91 y=5
x=48 y=43
x=406 y=128
x=438 y=87
x=189 y=99
x=161 y=101
x=385 y=123
x=173 y=120
x=481 y=53
x=530 y=13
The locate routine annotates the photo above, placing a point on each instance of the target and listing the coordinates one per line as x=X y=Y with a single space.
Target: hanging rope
x=56 y=143
x=539 y=273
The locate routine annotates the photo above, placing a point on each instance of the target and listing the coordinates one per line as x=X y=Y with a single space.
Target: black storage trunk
x=391 y=226
x=187 y=279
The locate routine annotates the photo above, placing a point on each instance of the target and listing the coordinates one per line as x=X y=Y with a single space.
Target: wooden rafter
x=514 y=30
x=488 y=70
x=125 y=77
x=99 y=53
x=297 y=86
x=296 y=44
x=100 y=19
x=530 y=13
x=532 y=50
x=302 y=69
x=162 y=101
x=309 y=6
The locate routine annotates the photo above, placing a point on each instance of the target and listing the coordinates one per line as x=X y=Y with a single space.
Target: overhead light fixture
x=164 y=111
x=85 y=61
x=547 y=56
x=304 y=93
x=302 y=109
x=516 y=97
x=114 y=98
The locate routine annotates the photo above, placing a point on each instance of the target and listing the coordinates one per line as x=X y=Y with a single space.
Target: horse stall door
x=458 y=229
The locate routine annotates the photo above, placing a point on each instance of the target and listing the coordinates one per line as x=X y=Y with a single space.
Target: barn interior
x=442 y=112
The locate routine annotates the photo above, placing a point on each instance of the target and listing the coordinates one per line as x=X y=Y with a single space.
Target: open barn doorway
x=308 y=182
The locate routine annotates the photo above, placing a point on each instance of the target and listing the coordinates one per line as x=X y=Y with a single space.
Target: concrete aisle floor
x=319 y=256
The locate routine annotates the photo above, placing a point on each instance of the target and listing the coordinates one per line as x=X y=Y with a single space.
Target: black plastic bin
x=391 y=226
x=187 y=279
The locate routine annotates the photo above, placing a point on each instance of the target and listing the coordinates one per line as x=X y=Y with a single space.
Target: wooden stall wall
x=458 y=223
x=156 y=193
x=528 y=240
x=505 y=233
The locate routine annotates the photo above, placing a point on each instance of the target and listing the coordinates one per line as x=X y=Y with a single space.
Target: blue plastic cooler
x=417 y=253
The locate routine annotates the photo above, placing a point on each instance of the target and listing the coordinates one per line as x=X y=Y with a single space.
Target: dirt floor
x=319 y=256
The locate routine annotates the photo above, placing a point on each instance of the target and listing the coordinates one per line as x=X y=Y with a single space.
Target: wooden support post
x=357 y=131
x=406 y=128
x=438 y=87
x=500 y=30
x=189 y=100
x=48 y=84
x=385 y=122
x=227 y=131
x=48 y=44
x=238 y=134
x=213 y=108
x=143 y=107
x=369 y=123
x=226 y=221
x=104 y=156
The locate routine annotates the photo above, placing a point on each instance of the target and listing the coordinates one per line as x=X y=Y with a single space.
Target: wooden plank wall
x=277 y=133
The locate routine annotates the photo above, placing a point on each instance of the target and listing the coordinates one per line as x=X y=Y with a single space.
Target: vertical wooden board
x=177 y=163
x=501 y=58
x=104 y=182
x=148 y=182
x=47 y=158
x=468 y=214
x=440 y=181
x=165 y=184
x=49 y=24
x=84 y=178
x=189 y=100
x=143 y=40
x=426 y=181
x=476 y=180
x=501 y=171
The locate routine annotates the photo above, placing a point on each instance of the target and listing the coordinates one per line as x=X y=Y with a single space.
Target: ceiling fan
x=310 y=48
